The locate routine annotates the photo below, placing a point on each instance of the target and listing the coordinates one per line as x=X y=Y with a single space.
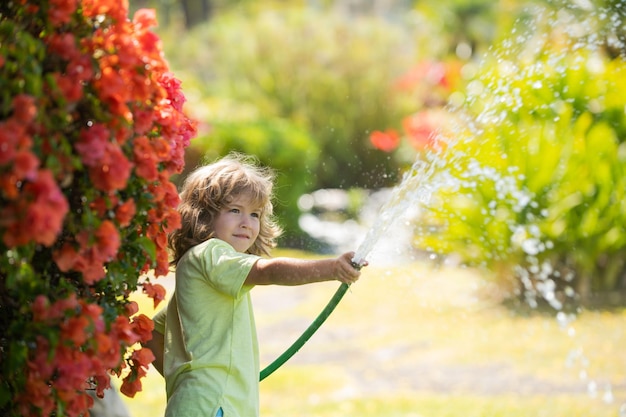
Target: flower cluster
x=430 y=84
x=83 y=357
x=92 y=129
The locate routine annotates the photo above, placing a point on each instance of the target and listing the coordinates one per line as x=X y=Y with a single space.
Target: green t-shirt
x=211 y=347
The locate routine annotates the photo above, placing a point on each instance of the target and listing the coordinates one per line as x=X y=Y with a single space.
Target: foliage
x=468 y=22
x=330 y=74
x=540 y=180
x=276 y=143
x=91 y=128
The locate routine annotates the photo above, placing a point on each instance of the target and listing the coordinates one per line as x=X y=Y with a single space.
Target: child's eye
x=257 y=215
x=234 y=210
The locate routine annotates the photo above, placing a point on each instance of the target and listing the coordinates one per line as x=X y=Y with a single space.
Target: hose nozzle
x=356 y=265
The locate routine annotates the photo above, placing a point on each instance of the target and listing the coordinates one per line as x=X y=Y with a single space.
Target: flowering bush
x=533 y=185
x=91 y=129
x=430 y=84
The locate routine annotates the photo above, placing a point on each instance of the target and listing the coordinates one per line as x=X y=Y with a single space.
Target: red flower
x=40 y=307
x=123 y=330
x=60 y=11
x=143 y=121
x=162 y=262
x=65 y=257
x=143 y=357
x=71 y=90
x=107 y=104
x=116 y=9
x=108 y=350
x=11 y=132
x=24 y=108
x=142 y=326
x=125 y=212
x=385 y=141
x=92 y=143
x=154 y=291
x=132 y=382
x=90 y=265
x=39 y=215
x=422 y=127
x=112 y=170
x=131 y=308
x=25 y=165
x=63 y=45
x=107 y=240
x=113 y=90
x=145 y=159
x=74 y=329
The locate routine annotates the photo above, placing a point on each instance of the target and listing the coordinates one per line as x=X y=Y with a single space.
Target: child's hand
x=346 y=272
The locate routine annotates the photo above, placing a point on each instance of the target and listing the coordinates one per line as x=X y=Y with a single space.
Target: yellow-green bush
x=540 y=176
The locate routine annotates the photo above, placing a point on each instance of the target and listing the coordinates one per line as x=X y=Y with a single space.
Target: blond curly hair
x=209 y=188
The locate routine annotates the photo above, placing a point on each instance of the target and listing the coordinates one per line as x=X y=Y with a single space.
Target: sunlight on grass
x=417 y=341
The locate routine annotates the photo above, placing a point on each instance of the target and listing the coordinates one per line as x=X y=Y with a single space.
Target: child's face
x=238 y=223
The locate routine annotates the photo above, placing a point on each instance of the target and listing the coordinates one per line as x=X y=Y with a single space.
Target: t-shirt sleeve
x=228 y=269
x=159 y=320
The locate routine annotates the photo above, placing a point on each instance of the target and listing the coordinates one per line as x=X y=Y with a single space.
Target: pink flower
x=145 y=19
x=425 y=72
x=174 y=92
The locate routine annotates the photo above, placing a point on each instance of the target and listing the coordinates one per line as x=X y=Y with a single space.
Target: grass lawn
x=415 y=341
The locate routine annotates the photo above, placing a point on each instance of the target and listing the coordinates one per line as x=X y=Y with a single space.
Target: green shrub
x=539 y=188
x=329 y=74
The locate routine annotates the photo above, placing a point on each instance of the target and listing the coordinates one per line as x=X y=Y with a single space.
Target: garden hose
x=307 y=333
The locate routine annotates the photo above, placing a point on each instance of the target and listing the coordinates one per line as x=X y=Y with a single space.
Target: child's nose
x=246 y=221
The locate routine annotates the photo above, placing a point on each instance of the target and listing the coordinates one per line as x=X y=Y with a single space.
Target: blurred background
x=516 y=109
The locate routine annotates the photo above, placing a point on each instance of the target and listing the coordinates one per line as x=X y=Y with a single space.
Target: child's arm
x=292 y=271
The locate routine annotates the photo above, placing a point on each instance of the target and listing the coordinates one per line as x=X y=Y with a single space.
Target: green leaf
x=148 y=246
